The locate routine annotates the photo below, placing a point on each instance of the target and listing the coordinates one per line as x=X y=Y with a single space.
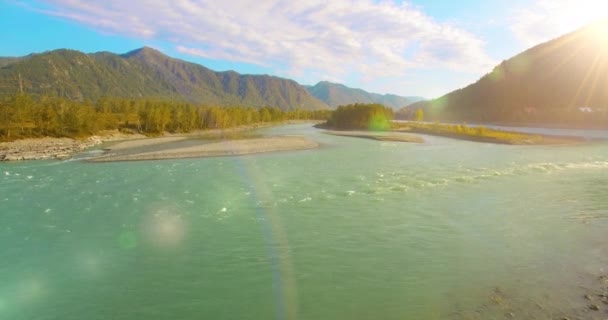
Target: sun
x=600 y=31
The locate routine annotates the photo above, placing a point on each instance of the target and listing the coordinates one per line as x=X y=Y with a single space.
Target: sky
x=413 y=48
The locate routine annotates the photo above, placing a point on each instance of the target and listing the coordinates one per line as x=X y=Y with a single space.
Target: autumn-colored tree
x=22 y=116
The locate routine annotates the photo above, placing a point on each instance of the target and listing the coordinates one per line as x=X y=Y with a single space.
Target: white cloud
x=217 y=54
x=544 y=20
x=337 y=38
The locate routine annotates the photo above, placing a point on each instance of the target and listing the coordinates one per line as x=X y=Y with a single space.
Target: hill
x=335 y=94
x=560 y=82
x=146 y=73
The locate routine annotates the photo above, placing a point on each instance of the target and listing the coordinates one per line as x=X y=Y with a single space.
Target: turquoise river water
x=356 y=229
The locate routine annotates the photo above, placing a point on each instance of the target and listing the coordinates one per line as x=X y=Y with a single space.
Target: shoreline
x=459 y=132
x=527 y=139
x=215 y=149
x=54 y=148
x=393 y=136
x=484 y=134
x=518 y=125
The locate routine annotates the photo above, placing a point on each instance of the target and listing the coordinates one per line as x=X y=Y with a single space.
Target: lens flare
x=90 y=265
x=439 y=103
x=128 y=240
x=274 y=232
x=29 y=290
x=164 y=228
x=378 y=122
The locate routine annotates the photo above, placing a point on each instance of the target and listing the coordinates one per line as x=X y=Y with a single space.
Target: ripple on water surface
x=354 y=230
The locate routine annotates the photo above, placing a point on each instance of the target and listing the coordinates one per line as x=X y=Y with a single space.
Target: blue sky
x=418 y=47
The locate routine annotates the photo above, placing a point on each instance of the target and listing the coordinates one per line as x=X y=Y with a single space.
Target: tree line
x=22 y=116
x=361 y=116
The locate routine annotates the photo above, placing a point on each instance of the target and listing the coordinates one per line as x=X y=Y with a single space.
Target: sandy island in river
x=144 y=142
x=212 y=149
x=380 y=136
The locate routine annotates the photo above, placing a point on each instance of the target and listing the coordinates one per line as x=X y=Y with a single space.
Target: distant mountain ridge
x=146 y=73
x=335 y=94
x=8 y=60
x=563 y=81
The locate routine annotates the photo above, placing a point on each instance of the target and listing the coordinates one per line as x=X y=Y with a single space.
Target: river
x=356 y=229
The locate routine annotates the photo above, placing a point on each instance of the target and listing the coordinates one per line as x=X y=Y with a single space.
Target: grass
x=481 y=134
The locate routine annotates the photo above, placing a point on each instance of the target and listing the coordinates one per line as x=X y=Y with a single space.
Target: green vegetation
x=22 y=116
x=375 y=117
x=146 y=73
x=482 y=134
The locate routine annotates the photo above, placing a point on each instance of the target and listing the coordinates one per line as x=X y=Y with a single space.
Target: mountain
x=8 y=60
x=147 y=73
x=563 y=81
x=335 y=94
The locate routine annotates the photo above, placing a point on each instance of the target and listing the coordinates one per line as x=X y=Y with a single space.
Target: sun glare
x=600 y=30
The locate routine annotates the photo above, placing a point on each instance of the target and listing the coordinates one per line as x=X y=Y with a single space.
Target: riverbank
x=483 y=134
x=237 y=133
x=379 y=136
x=56 y=148
x=213 y=149
x=63 y=148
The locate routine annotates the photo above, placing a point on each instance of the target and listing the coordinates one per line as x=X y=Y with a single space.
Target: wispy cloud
x=544 y=20
x=217 y=54
x=336 y=38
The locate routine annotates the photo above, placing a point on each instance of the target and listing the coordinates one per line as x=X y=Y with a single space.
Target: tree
x=265 y=115
x=374 y=117
x=23 y=116
x=419 y=115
